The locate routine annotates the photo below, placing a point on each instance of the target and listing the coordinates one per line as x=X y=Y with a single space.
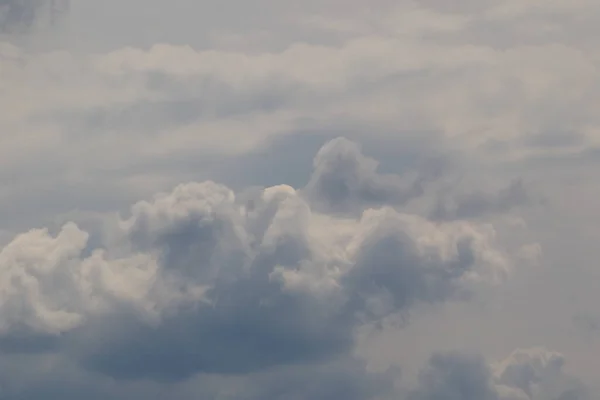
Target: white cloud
x=525 y=369
x=48 y=287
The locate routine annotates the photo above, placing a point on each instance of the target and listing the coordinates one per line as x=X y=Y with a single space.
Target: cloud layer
x=257 y=200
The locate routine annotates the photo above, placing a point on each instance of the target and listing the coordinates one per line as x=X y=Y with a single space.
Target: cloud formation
x=252 y=285
x=305 y=272
x=345 y=180
x=203 y=280
x=526 y=374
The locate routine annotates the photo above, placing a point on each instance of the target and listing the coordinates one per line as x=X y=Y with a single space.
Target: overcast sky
x=326 y=199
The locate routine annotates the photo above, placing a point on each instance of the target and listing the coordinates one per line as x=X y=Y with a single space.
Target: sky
x=277 y=200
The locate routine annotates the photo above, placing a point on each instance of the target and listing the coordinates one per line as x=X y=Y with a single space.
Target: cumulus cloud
x=345 y=180
x=50 y=288
x=219 y=291
x=203 y=280
x=527 y=374
x=309 y=277
x=453 y=376
x=524 y=369
x=55 y=377
x=18 y=14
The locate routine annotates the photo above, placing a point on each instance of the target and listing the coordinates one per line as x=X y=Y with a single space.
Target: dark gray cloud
x=253 y=322
x=344 y=378
x=345 y=180
x=20 y=16
x=447 y=376
x=455 y=377
x=532 y=374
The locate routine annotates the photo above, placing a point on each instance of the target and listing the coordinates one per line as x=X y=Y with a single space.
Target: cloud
x=344 y=180
x=453 y=377
x=282 y=287
x=208 y=285
x=21 y=16
x=203 y=281
x=477 y=204
x=527 y=374
x=524 y=369
x=50 y=289
x=165 y=100
x=140 y=114
x=18 y=14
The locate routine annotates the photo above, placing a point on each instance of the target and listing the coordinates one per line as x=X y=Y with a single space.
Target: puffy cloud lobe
x=345 y=180
x=405 y=259
x=526 y=374
x=202 y=280
x=195 y=229
x=525 y=368
x=537 y=373
x=48 y=288
x=267 y=304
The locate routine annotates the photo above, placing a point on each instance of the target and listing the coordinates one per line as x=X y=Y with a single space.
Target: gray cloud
x=337 y=379
x=527 y=374
x=201 y=281
x=480 y=203
x=21 y=16
x=266 y=284
x=345 y=180
x=194 y=290
x=455 y=377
